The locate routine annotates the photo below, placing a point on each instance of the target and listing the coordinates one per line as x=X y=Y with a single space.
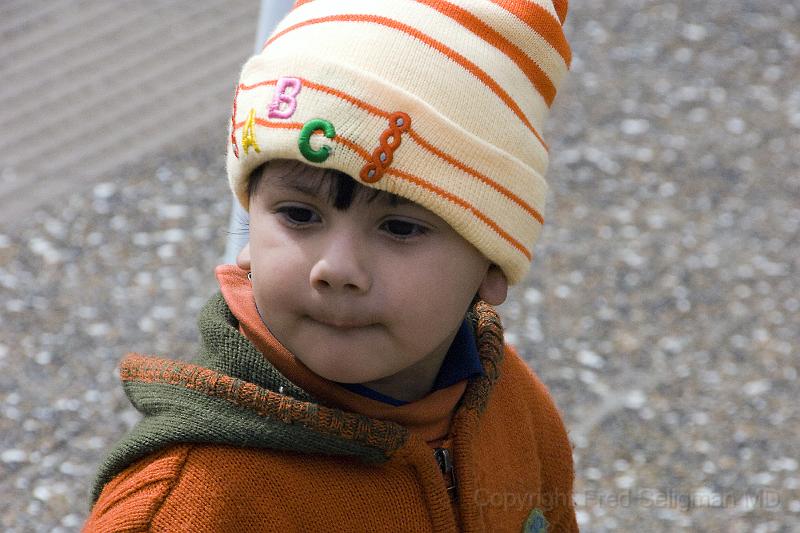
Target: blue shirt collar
x=461 y=362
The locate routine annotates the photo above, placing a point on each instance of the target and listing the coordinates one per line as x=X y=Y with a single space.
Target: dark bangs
x=337 y=187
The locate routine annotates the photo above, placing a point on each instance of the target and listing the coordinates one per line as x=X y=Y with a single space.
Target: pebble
x=590 y=359
x=43 y=358
x=104 y=191
x=635 y=399
x=634 y=126
x=172 y=211
x=13 y=456
x=166 y=251
x=787 y=464
x=757 y=387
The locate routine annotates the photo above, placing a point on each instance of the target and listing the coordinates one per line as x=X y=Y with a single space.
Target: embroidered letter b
x=285 y=100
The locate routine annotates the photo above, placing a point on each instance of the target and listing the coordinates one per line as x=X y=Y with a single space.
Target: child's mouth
x=339 y=323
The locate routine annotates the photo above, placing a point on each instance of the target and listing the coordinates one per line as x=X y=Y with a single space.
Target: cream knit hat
x=441 y=102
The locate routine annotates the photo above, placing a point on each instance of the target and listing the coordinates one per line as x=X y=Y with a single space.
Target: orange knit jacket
x=264 y=455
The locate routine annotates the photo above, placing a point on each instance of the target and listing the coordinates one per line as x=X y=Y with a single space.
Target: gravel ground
x=662 y=307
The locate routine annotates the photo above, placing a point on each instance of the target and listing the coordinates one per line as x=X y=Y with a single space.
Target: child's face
x=373 y=294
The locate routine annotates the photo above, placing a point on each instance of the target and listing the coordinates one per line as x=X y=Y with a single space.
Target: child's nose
x=341 y=266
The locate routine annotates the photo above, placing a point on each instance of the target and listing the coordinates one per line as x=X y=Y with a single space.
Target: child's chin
x=346 y=369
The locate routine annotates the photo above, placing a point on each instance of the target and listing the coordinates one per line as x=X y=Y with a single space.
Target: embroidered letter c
x=314 y=125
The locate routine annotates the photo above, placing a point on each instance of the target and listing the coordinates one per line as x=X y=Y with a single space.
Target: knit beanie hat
x=441 y=102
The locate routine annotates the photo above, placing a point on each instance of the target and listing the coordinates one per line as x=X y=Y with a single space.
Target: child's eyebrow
x=305 y=184
x=310 y=185
x=313 y=185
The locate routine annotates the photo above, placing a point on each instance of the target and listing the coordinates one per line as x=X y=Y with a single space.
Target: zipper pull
x=445 y=462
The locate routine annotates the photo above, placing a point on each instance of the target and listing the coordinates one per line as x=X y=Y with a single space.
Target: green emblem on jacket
x=536 y=522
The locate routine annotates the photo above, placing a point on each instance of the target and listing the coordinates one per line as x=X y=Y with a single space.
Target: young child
x=353 y=375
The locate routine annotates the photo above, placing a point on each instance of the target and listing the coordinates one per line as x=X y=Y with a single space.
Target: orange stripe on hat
x=561 y=9
x=560 y=6
x=485 y=179
x=465 y=205
x=542 y=22
x=299 y=3
x=532 y=71
x=433 y=43
x=252 y=86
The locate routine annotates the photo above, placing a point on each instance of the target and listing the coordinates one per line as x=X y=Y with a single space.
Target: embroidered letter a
x=286 y=90
x=249 y=133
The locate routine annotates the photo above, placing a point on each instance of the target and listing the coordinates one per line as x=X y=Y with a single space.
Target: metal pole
x=270 y=13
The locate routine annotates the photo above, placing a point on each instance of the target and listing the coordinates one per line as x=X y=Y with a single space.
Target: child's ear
x=494 y=287
x=243 y=259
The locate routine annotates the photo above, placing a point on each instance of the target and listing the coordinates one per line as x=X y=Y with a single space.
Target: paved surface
x=89 y=85
x=662 y=308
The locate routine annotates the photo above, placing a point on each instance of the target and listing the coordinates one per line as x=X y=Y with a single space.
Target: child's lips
x=339 y=323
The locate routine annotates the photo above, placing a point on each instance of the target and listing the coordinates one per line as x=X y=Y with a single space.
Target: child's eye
x=403 y=229
x=297 y=216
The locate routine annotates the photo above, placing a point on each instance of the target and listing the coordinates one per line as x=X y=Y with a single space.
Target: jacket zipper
x=445 y=462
